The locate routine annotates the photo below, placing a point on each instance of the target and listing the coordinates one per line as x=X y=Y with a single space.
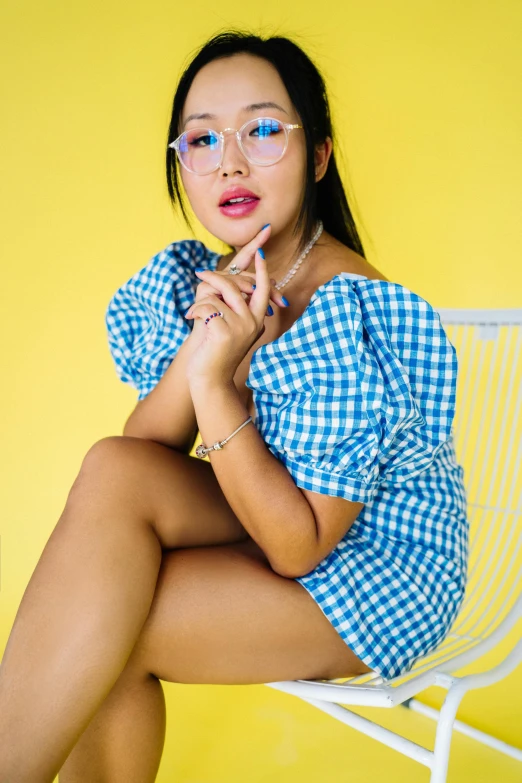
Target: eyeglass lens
x=263 y=141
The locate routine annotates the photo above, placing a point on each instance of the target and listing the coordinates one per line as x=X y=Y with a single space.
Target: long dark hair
x=326 y=199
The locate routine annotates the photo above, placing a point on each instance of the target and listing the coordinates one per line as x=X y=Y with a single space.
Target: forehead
x=226 y=86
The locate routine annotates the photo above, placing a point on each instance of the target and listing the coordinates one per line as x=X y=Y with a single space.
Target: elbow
x=295 y=568
x=281 y=571
x=287 y=573
x=304 y=553
x=292 y=573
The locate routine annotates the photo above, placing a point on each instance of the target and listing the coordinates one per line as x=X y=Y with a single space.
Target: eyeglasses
x=262 y=141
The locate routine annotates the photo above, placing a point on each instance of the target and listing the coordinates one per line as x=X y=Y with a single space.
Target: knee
x=107 y=453
x=108 y=461
x=109 y=448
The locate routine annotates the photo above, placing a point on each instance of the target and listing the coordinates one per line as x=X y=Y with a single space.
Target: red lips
x=236 y=192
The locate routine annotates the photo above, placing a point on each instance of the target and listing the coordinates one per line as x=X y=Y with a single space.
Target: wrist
x=206 y=384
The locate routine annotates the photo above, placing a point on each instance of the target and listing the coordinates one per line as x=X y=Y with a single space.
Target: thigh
x=221 y=615
x=179 y=494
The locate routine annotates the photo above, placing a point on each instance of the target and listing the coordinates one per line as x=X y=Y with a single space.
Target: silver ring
x=212 y=315
x=234 y=270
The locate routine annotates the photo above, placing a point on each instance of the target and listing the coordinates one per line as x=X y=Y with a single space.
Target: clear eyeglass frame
x=287 y=126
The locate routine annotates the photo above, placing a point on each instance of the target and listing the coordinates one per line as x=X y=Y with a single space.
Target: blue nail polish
x=285 y=300
x=261 y=252
x=265 y=226
x=253 y=286
x=200 y=269
x=270 y=311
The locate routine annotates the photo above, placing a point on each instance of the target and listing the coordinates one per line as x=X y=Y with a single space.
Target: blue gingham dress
x=357 y=400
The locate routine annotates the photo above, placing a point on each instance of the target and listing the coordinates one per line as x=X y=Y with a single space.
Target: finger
x=227 y=288
x=212 y=302
x=243 y=257
x=213 y=299
x=203 y=290
x=259 y=299
x=243 y=283
x=246 y=285
x=276 y=296
x=206 y=309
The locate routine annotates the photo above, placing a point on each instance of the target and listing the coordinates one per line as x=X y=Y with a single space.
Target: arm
x=166 y=415
x=295 y=528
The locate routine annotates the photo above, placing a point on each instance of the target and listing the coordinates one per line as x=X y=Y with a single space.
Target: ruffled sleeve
x=145 y=318
x=359 y=391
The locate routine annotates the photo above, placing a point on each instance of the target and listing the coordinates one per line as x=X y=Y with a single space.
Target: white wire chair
x=488 y=443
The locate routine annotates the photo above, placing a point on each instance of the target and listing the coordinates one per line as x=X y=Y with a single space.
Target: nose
x=234 y=162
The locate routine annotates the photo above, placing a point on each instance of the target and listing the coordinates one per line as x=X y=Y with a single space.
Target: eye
x=199 y=138
x=202 y=141
x=265 y=128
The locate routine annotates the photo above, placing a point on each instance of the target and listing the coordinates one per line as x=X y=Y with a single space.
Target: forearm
x=258 y=487
x=167 y=414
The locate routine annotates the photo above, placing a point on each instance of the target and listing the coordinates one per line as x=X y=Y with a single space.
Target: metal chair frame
x=489 y=401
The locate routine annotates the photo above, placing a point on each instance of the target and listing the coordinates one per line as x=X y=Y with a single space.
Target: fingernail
x=187 y=312
x=253 y=286
x=269 y=311
x=261 y=252
x=285 y=300
x=265 y=226
x=200 y=269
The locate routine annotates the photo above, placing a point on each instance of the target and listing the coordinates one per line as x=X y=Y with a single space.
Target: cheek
x=284 y=181
x=197 y=189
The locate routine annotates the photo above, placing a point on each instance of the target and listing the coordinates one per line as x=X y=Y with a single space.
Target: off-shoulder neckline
x=349 y=275
x=318 y=291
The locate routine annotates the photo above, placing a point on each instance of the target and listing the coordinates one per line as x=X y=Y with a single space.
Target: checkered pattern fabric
x=145 y=318
x=357 y=400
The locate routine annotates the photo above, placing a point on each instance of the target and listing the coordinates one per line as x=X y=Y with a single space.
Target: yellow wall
x=426 y=99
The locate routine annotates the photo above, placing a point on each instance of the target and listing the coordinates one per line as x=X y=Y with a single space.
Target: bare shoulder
x=368 y=270
x=335 y=258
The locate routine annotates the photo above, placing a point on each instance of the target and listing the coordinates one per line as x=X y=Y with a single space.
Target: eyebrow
x=250 y=107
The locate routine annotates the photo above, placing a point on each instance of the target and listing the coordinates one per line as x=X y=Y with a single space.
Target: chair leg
x=443 y=736
x=464 y=728
x=449 y=709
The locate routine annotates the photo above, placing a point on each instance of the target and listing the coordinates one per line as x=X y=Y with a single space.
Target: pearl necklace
x=289 y=275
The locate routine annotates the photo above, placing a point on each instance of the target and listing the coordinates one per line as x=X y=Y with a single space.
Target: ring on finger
x=213 y=315
x=234 y=270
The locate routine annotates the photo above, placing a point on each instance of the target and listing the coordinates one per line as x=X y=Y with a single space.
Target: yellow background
x=426 y=102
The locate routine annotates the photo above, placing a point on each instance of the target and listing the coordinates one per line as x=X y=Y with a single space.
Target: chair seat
x=457 y=650
x=371 y=689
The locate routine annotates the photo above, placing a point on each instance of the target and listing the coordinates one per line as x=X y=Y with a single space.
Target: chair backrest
x=488 y=444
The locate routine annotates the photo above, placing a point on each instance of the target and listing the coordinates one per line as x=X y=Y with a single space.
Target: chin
x=242 y=233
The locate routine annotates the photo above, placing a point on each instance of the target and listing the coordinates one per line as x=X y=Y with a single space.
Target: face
x=224 y=88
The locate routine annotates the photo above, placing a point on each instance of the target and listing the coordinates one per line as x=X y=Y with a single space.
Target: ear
x=321 y=158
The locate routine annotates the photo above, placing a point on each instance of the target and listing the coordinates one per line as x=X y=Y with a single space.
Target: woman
x=328 y=536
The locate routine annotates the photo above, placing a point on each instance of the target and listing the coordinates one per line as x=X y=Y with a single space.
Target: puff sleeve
x=359 y=391
x=145 y=317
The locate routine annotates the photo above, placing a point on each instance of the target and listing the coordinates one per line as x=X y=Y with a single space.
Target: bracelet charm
x=201 y=451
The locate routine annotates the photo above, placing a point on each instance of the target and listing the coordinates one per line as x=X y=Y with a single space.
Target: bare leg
x=91 y=592
x=75 y=629
x=125 y=739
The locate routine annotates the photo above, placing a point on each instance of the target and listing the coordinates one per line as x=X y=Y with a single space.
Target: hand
x=243 y=282
x=220 y=346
